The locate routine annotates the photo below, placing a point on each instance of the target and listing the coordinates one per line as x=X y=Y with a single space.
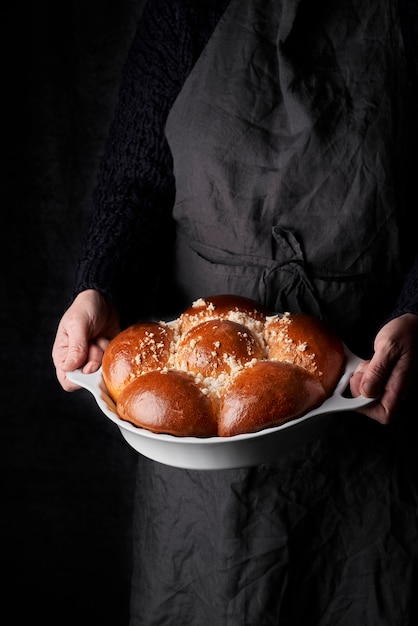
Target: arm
x=394 y=364
x=130 y=231
x=130 y=222
x=132 y=201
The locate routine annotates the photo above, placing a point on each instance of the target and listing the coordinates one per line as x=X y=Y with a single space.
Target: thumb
x=76 y=354
x=374 y=377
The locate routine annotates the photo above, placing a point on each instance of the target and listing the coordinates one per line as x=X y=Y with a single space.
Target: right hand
x=83 y=334
x=391 y=371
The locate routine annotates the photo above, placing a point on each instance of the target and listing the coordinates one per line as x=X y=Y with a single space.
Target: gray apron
x=286 y=142
x=289 y=156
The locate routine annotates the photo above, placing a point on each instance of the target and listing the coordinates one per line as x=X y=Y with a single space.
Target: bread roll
x=168 y=402
x=142 y=347
x=267 y=394
x=306 y=341
x=216 y=347
x=231 y=307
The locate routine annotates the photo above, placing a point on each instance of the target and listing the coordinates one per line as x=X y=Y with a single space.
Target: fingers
x=369 y=379
x=67 y=356
x=76 y=360
x=83 y=335
x=380 y=382
x=384 y=409
x=356 y=378
x=85 y=354
x=377 y=373
x=95 y=355
x=75 y=357
x=384 y=377
x=377 y=411
x=70 y=348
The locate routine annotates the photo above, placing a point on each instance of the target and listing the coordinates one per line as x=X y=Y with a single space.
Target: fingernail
x=91 y=367
x=366 y=390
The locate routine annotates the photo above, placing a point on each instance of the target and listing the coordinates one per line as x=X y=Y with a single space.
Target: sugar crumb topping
x=198 y=303
x=269 y=333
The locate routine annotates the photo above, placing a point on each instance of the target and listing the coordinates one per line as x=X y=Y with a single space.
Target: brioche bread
x=268 y=393
x=140 y=348
x=306 y=341
x=225 y=366
x=168 y=401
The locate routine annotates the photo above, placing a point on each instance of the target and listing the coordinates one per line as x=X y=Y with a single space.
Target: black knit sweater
x=130 y=225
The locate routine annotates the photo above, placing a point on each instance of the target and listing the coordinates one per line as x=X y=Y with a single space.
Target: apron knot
x=285 y=282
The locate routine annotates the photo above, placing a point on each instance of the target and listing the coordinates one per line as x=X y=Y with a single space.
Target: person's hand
x=83 y=334
x=388 y=375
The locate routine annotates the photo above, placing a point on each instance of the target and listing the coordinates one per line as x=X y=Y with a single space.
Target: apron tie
x=285 y=281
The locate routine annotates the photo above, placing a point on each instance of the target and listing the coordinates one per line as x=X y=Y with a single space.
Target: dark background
x=67 y=475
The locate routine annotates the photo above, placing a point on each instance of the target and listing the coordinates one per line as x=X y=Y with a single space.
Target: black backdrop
x=66 y=473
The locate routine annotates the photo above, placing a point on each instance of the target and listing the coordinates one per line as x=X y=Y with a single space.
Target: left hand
x=388 y=375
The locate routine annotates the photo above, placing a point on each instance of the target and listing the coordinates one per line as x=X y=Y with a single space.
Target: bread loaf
x=225 y=366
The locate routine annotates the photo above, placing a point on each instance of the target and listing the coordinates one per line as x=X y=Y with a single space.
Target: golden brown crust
x=224 y=306
x=142 y=347
x=225 y=366
x=168 y=402
x=217 y=346
x=306 y=341
x=267 y=394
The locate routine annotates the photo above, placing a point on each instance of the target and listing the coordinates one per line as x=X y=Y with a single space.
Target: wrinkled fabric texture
x=327 y=536
x=293 y=196
x=296 y=196
x=128 y=230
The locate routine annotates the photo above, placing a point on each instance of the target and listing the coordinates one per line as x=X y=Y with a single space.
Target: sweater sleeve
x=130 y=218
x=407 y=301
x=129 y=233
x=408 y=298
